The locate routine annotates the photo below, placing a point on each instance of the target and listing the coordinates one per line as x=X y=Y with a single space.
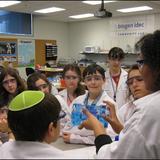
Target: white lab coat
x=66 y=109
x=63 y=93
x=140 y=137
x=33 y=150
x=126 y=111
x=122 y=89
x=85 y=136
x=54 y=90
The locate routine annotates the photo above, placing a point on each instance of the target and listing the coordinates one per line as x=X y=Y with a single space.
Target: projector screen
x=15 y=23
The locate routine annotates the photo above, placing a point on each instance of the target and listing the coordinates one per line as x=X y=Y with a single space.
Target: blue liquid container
x=102 y=111
x=92 y=108
x=77 y=115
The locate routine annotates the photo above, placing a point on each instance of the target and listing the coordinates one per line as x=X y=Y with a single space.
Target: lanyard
x=114 y=89
x=94 y=102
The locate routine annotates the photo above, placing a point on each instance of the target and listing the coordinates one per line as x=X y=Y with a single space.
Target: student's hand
x=11 y=136
x=66 y=137
x=4 y=125
x=92 y=123
x=112 y=117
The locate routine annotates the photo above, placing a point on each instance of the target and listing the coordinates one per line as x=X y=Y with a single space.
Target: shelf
x=131 y=54
x=85 y=53
x=51 y=69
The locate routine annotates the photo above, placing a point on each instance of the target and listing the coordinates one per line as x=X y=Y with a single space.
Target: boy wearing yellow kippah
x=33 y=118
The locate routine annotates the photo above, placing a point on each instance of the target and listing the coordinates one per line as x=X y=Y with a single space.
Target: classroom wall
x=50 y=30
x=102 y=33
x=45 y=29
x=88 y=33
x=157 y=22
x=74 y=36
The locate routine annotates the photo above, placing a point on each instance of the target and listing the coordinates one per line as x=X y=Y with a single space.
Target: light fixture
x=8 y=3
x=50 y=10
x=135 y=9
x=95 y=2
x=82 y=16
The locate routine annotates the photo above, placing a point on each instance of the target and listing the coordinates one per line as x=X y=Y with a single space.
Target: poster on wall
x=26 y=53
x=127 y=31
x=8 y=51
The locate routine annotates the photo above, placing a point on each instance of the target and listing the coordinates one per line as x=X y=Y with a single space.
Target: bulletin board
x=40 y=50
x=26 y=53
x=8 y=51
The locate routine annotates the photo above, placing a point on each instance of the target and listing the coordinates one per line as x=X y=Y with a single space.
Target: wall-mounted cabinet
x=41 y=55
x=51 y=51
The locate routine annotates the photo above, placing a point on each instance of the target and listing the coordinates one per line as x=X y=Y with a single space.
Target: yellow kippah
x=26 y=99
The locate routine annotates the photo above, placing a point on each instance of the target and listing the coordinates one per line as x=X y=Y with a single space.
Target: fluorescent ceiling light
x=82 y=16
x=95 y=2
x=135 y=9
x=8 y=3
x=50 y=10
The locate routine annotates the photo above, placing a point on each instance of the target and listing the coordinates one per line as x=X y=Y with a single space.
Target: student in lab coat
x=72 y=77
x=116 y=77
x=34 y=120
x=137 y=90
x=141 y=133
x=94 y=78
x=38 y=81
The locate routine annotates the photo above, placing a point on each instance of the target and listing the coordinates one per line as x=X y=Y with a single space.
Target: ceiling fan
x=102 y=13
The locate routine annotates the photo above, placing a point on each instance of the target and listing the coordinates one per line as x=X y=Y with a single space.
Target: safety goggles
x=131 y=80
x=3 y=110
x=140 y=63
x=95 y=77
x=62 y=114
x=71 y=77
x=6 y=82
x=42 y=86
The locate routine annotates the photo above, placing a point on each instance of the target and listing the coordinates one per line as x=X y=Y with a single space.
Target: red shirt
x=116 y=79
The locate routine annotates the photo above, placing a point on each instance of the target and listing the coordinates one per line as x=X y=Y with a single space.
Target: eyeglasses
x=62 y=114
x=42 y=86
x=6 y=82
x=95 y=77
x=140 y=63
x=70 y=77
x=137 y=78
x=3 y=110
